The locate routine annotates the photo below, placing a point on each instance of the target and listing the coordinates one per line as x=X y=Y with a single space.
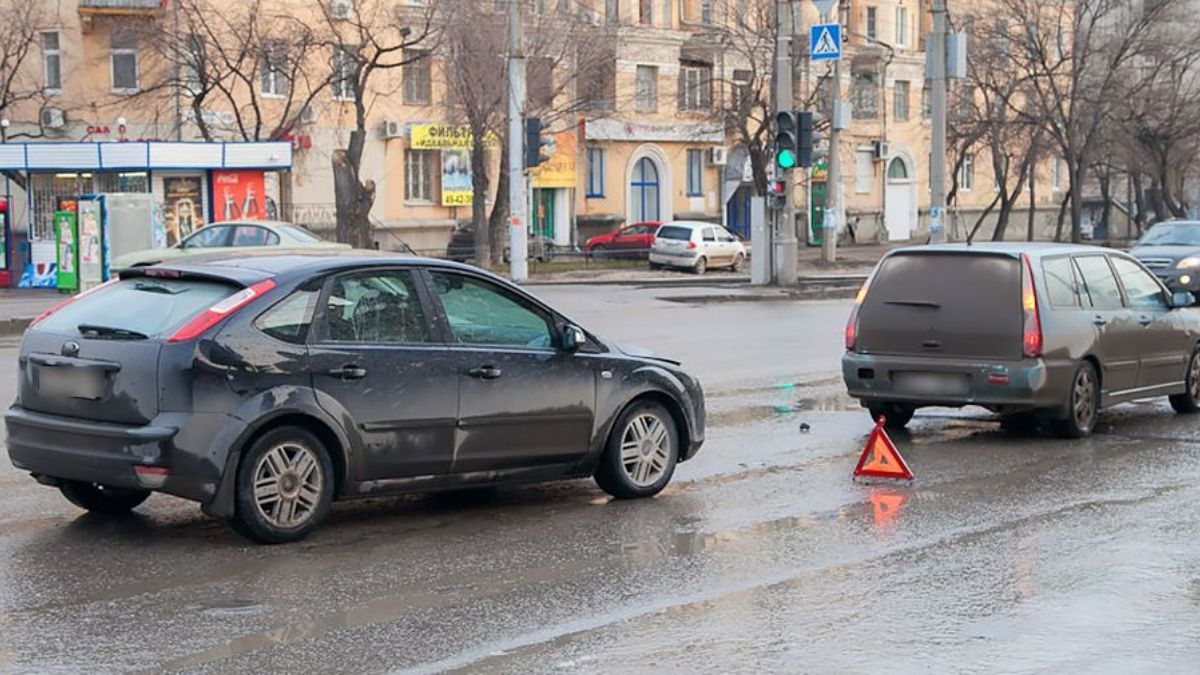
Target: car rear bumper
x=685 y=259
x=52 y=448
x=999 y=385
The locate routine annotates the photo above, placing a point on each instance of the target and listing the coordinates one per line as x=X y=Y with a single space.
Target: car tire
x=897 y=415
x=1188 y=403
x=285 y=471
x=739 y=263
x=700 y=267
x=598 y=251
x=655 y=266
x=1083 y=404
x=111 y=501
x=641 y=453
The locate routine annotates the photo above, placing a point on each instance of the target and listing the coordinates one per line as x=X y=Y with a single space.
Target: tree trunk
x=479 y=216
x=498 y=221
x=982 y=217
x=1006 y=208
x=353 y=201
x=1105 y=180
x=1077 y=178
x=1139 y=197
x=1062 y=215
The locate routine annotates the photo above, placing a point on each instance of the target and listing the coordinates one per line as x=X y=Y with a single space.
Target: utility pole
x=833 y=181
x=517 y=197
x=786 y=253
x=937 y=99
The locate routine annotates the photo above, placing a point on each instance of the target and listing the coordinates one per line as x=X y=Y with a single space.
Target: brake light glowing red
x=852 y=322
x=74 y=298
x=221 y=311
x=1032 y=339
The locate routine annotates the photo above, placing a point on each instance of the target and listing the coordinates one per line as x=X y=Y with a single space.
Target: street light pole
x=518 y=201
x=937 y=99
x=786 y=253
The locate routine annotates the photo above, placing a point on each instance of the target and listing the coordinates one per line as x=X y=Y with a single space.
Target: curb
x=14 y=327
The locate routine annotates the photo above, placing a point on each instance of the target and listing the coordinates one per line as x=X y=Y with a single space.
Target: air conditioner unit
x=393 y=129
x=880 y=151
x=718 y=156
x=341 y=9
x=308 y=115
x=53 y=118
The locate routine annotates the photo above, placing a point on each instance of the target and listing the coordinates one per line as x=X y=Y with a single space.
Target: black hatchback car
x=266 y=388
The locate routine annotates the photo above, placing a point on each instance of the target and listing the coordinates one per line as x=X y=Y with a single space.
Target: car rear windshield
x=136 y=308
x=938 y=304
x=675 y=232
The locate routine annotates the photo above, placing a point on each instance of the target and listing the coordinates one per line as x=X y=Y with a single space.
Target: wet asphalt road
x=1012 y=553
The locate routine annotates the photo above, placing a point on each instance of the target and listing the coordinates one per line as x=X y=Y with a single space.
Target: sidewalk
x=18 y=307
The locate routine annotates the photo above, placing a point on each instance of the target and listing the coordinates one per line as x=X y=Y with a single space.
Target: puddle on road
x=232 y=608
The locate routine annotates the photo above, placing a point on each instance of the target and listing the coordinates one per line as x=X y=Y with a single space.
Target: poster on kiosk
x=91 y=243
x=66 y=238
x=5 y=237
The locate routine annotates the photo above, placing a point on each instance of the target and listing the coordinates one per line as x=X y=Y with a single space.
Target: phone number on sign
x=457 y=199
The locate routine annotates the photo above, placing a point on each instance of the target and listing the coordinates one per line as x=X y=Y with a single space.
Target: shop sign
x=444 y=136
x=457 y=182
x=560 y=170
x=619 y=130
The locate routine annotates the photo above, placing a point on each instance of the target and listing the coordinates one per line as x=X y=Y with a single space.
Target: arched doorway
x=901 y=197
x=645 y=192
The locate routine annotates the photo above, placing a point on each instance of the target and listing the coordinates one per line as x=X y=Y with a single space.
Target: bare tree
x=365 y=41
x=262 y=70
x=22 y=88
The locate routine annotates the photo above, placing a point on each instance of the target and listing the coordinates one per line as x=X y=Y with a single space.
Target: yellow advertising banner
x=560 y=170
x=443 y=137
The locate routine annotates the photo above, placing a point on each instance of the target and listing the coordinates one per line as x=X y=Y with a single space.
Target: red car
x=632 y=240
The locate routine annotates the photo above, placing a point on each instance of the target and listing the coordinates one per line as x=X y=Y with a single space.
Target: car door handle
x=349 y=372
x=1100 y=321
x=485 y=373
x=1145 y=322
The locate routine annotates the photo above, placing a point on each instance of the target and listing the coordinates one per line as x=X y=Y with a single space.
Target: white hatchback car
x=696 y=246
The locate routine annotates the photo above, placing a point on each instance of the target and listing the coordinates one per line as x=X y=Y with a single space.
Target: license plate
x=70 y=382
x=935 y=384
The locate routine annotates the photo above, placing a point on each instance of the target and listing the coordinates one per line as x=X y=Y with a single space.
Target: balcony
x=121 y=7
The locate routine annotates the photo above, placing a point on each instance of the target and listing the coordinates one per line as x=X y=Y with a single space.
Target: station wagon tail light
x=71 y=300
x=852 y=322
x=221 y=311
x=1029 y=305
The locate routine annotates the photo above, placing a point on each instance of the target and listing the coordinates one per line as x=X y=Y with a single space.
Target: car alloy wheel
x=701 y=265
x=288 y=485
x=645 y=449
x=739 y=263
x=1084 y=399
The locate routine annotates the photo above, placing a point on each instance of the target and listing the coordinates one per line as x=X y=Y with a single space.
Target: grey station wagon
x=267 y=387
x=1032 y=332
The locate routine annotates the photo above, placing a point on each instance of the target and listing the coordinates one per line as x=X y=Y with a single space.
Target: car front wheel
x=101 y=498
x=1188 y=403
x=641 y=454
x=284 y=487
x=739 y=263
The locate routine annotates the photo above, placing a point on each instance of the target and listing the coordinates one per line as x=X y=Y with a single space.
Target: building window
x=646 y=12
x=539 y=78
x=644 y=191
x=901 y=26
x=864 y=169
x=344 y=77
x=872 y=24
x=613 y=11
x=1056 y=174
x=418 y=176
x=695 y=87
x=595 y=172
x=926 y=106
x=418 y=86
x=900 y=101
x=51 y=62
x=695 y=175
x=706 y=12
x=597 y=81
x=274 y=69
x=966 y=174
x=647 y=89
x=124 y=46
x=864 y=93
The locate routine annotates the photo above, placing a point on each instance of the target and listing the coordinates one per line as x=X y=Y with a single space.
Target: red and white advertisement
x=239 y=195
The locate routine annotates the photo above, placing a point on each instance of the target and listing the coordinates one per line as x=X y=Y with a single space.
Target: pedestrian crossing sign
x=825 y=42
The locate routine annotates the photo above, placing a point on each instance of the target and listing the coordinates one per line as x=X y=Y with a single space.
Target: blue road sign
x=825 y=42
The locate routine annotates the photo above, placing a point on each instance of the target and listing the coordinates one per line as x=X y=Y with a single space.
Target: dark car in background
x=266 y=388
x=1171 y=250
x=462 y=247
x=1032 y=332
x=629 y=241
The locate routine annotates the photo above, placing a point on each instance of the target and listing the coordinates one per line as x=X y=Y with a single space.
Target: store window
x=132 y=181
x=418 y=176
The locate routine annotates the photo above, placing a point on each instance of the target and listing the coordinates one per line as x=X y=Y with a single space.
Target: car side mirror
x=573 y=338
x=1182 y=299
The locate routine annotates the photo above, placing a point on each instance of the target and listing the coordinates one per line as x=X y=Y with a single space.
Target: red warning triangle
x=881 y=459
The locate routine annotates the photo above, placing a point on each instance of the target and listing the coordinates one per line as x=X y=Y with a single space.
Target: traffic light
x=805 y=141
x=787 y=128
x=537 y=148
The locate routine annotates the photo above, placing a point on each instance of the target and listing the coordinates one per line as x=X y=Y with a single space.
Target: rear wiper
x=110 y=332
x=156 y=288
x=914 y=303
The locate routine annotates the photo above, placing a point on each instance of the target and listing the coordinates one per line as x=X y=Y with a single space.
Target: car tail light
x=852 y=322
x=1032 y=339
x=74 y=298
x=220 y=311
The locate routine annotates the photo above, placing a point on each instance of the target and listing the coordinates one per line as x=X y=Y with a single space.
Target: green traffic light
x=786 y=159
